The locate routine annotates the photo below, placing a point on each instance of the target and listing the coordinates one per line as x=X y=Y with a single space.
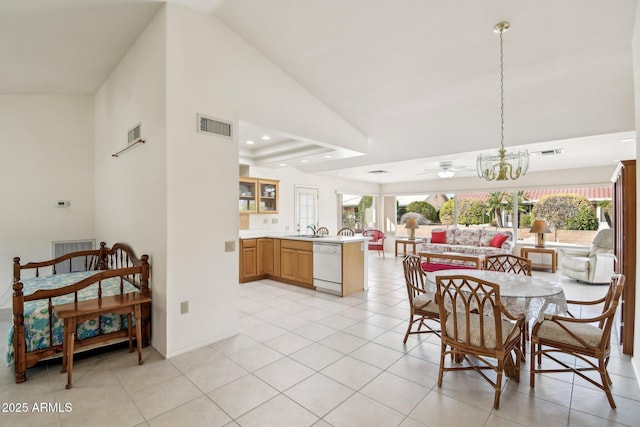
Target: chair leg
x=532 y=367
x=408 y=329
x=443 y=349
x=604 y=376
x=496 y=396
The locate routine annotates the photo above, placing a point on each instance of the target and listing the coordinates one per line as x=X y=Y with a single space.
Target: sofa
x=476 y=241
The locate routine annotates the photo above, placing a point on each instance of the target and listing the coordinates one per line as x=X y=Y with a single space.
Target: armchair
x=377 y=240
x=593 y=265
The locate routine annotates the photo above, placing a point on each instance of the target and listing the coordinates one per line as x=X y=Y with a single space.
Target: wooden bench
x=75 y=312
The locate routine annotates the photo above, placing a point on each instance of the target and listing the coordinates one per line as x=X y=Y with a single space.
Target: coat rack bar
x=133 y=144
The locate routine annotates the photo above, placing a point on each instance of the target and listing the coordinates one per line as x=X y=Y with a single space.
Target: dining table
x=533 y=296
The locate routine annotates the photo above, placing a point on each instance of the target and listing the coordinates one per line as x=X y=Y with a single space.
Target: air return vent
x=378 y=171
x=134 y=134
x=212 y=126
x=63 y=248
x=548 y=152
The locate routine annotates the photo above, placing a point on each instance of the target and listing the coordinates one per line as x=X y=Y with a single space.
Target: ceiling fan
x=445 y=169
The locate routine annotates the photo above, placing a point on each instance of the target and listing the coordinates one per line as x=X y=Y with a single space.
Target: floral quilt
x=36 y=313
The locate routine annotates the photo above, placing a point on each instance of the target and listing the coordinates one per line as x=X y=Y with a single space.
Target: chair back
x=322 y=231
x=509 y=264
x=377 y=236
x=611 y=300
x=346 y=231
x=603 y=242
x=413 y=276
x=473 y=311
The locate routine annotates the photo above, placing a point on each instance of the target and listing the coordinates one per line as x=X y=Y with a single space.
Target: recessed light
x=327 y=156
x=282 y=164
x=249 y=142
x=304 y=161
x=627 y=140
x=265 y=137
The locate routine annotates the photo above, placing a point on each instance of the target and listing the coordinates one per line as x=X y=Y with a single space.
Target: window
x=358 y=211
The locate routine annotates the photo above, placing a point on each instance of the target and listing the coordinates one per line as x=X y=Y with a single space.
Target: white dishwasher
x=327 y=267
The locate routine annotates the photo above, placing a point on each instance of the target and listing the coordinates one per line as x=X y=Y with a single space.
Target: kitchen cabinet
x=248 y=259
x=256 y=259
x=265 y=257
x=258 y=195
x=248 y=196
x=296 y=258
x=268 y=196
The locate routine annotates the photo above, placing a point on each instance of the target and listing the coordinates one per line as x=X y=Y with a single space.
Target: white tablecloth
x=520 y=294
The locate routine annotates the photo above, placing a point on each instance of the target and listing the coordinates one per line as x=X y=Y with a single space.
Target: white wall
x=47 y=155
x=210 y=70
x=131 y=189
x=327 y=198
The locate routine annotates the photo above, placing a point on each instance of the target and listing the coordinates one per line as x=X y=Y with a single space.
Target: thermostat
x=63 y=203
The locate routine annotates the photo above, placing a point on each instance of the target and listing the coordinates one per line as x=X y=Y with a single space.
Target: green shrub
x=425 y=209
x=566 y=210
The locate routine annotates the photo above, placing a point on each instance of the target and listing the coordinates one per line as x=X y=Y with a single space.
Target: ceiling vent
x=548 y=152
x=378 y=171
x=134 y=134
x=212 y=126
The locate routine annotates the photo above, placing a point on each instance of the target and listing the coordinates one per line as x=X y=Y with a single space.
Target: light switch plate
x=184 y=307
x=229 y=246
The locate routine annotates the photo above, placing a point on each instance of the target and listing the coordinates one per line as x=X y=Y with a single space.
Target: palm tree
x=521 y=197
x=494 y=203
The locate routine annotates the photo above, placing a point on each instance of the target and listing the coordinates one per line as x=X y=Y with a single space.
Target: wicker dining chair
x=579 y=338
x=479 y=332
x=346 y=231
x=422 y=308
x=508 y=263
x=322 y=231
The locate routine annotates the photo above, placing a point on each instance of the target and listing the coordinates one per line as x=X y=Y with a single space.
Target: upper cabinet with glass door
x=258 y=195
x=268 y=196
x=248 y=195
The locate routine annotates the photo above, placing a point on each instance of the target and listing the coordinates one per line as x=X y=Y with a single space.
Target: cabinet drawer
x=249 y=243
x=297 y=244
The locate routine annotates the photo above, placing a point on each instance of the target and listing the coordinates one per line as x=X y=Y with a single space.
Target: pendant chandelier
x=502 y=165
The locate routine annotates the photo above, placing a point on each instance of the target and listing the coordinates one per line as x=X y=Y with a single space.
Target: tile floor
x=305 y=358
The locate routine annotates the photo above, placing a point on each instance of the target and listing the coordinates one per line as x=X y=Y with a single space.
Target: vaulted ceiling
x=419 y=78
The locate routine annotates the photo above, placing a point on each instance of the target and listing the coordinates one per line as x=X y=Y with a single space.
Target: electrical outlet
x=265 y=220
x=230 y=246
x=184 y=307
x=274 y=220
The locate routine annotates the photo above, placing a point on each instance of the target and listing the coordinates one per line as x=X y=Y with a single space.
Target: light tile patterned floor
x=305 y=358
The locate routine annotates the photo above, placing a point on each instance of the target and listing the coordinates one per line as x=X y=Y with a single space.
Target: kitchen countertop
x=308 y=238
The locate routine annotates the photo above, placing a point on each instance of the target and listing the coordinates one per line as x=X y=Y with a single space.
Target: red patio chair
x=377 y=240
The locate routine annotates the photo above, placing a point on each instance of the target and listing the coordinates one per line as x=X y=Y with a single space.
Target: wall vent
x=213 y=126
x=65 y=247
x=134 y=134
x=378 y=171
x=548 y=152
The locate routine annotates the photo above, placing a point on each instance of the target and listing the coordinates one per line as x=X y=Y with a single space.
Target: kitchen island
x=332 y=264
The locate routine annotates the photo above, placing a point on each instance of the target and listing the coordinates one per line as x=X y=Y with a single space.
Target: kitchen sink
x=308 y=236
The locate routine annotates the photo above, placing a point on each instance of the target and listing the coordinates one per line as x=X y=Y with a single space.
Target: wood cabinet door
x=265 y=256
x=289 y=258
x=249 y=262
x=305 y=267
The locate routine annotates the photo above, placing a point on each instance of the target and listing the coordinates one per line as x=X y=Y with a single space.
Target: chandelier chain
x=501 y=94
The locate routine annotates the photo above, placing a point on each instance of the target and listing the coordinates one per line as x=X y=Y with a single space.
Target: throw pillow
x=498 y=240
x=438 y=237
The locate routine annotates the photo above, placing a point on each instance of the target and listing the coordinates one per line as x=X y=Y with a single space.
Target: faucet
x=313 y=228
